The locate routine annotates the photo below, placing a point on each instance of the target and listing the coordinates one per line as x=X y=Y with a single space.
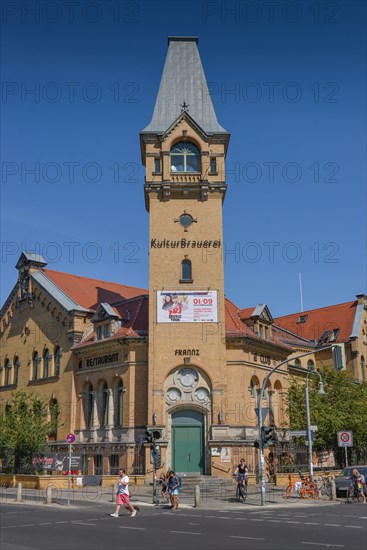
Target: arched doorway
x=188 y=449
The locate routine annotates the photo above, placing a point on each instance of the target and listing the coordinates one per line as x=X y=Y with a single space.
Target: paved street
x=37 y=527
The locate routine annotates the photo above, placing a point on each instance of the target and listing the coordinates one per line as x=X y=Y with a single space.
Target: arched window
x=118 y=391
x=185 y=157
x=16 y=369
x=103 y=404
x=54 y=418
x=363 y=373
x=88 y=406
x=7 y=368
x=278 y=402
x=186 y=273
x=57 y=360
x=310 y=364
x=46 y=362
x=35 y=366
x=254 y=386
x=298 y=363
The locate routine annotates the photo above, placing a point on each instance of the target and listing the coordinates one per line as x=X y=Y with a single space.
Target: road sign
x=313 y=428
x=298 y=433
x=265 y=411
x=345 y=439
x=70 y=438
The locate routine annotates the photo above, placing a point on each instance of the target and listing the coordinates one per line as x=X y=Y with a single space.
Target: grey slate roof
x=31 y=257
x=183 y=80
x=53 y=290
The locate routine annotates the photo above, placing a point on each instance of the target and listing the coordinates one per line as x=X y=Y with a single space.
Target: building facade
x=113 y=361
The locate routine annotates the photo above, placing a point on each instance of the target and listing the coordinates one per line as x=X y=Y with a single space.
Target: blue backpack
x=179 y=483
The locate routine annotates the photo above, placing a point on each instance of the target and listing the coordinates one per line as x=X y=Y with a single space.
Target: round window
x=186 y=220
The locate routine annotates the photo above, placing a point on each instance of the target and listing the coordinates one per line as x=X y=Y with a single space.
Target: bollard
x=333 y=488
x=197 y=496
x=49 y=494
x=19 y=492
x=115 y=488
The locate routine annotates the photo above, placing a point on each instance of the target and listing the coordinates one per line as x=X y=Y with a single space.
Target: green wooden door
x=188 y=442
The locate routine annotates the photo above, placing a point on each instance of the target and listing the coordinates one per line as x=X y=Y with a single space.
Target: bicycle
x=354 y=494
x=324 y=486
x=309 y=488
x=241 y=489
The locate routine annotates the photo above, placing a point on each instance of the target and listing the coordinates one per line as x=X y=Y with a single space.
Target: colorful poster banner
x=174 y=306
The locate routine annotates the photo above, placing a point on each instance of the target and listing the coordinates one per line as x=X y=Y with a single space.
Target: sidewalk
x=223 y=498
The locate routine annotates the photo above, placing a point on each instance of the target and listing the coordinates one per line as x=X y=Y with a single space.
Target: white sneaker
x=115 y=515
x=133 y=513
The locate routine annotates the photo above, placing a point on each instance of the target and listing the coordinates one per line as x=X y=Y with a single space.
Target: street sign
x=345 y=439
x=313 y=428
x=70 y=438
x=298 y=433
x=264 y=411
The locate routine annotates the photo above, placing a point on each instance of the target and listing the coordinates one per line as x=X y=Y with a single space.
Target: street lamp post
x=309 y=437
x=261 y=421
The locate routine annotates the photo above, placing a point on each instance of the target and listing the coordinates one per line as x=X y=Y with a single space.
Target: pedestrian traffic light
x=268 y=436
x=257 y=444
x=157 y=457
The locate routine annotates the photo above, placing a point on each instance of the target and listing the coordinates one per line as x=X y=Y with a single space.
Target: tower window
x=186 y=220
x=186 y=271
x=157 y=165
x=185 y=157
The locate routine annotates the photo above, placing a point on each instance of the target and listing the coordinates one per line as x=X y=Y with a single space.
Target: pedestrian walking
x=173 y=489
x=123 y=496
x=163 y=481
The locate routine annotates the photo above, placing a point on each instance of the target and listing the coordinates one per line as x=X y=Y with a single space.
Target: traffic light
x=148 y=436
x=257 y=444
x=152 y=435
x=155 y=456
x=268 y=436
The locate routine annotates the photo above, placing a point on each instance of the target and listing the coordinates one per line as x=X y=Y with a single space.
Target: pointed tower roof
x=183 y=88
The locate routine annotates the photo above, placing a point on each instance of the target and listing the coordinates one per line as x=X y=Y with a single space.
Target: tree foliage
x=343 y=407
x=24 y=427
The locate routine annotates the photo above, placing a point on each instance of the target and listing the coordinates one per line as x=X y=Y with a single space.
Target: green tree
x=24 y=427
x=343 y=407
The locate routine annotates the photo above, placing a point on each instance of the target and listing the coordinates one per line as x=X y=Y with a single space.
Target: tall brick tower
x=183 y=149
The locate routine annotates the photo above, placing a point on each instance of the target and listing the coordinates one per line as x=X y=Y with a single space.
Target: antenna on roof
x=300 y=290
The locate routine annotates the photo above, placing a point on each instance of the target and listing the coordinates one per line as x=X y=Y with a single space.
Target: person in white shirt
x=123 y=496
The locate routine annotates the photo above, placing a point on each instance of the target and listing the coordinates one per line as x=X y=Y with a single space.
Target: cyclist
x=241 y=475
x=358 y=483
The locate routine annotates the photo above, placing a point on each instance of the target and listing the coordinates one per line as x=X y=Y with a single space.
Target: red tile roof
x=246 y=313
x=236 y=326
x=339 y=316
x=90 y=292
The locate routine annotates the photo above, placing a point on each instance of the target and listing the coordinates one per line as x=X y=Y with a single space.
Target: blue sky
x=287 y=82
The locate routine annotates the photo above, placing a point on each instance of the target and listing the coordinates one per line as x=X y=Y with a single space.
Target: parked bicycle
x=324 y=487
x=309 y=489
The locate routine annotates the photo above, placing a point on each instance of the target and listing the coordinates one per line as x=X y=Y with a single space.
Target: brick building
x=114 y=360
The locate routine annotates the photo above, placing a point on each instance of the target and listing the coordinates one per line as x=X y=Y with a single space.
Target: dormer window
x=99 y=333
x=185 y=157
x=106 y=331
x=302 y=319
x=334 y=335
